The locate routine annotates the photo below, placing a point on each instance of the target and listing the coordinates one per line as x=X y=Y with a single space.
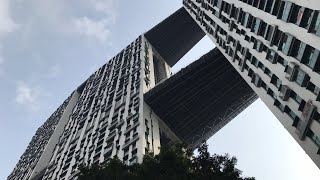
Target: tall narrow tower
x=274 y=45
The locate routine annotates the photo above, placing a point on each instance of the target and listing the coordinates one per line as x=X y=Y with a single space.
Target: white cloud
x=29 y=96
x=97 y=28
x=7 y=24
x=93 y=28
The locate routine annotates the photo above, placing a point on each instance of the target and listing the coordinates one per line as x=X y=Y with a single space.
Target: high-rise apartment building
x=274 y=45
x=129 y=106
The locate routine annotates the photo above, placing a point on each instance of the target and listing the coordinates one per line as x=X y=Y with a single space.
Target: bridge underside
x=175 y=36
x=200 y=99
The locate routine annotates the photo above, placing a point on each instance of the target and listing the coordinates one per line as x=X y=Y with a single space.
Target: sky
x=49 y=47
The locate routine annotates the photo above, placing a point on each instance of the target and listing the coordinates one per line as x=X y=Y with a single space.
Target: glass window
x=295 y=97
x=291 y=114
x=313 y=58
x=314 y=138
x=256 y=26
x=285 y=43
x=276 y=7
x=286 y=11
x=261 y=66
x=276 y=81
x=310 y=57
x=271 y=56
x=269 y=33
x=258 y=45
x=300 y=77
x=276 y=39
x=268 y=72
x=268 y=6
x=301 y=50
x=262 y=29
x=279 y=105
x=282 y=61
x=316 y=27
x=262 y=4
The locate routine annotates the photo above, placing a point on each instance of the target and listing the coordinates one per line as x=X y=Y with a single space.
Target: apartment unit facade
x=106 y=116
x=109 y=119
x=274 y=45
x=37 y=147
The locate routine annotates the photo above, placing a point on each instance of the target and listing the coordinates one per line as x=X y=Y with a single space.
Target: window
x=258 y=45
x=262 y=29
x=256 y=3
x=296 y=97
x=300 y=52
x=304 y=17
x=282 y=61
x=313 y=88
x=276 y=81
x=296 y=14
x=268 y=72
x=284 y=14
x=286 y=43
x=268 y=6
x=256 y=25
x=254 y=61
x=272 y=56
x=276 y=7
x=277 y=35
x=261 y=66
x=315 y=25
x=314 y=137
x=291 y=114
x=279 y=105
x=301 y=78
x=269 y=33
x=262 y=4
x=244 y=19
x=311 y=58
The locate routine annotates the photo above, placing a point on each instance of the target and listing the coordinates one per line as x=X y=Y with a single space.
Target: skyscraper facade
x=274 y=45
x=133 y=104
x=114 y=112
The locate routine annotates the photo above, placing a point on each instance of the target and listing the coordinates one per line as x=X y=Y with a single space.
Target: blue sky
x=48 y=47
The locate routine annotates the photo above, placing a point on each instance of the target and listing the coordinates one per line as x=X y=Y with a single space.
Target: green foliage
x=173 y=163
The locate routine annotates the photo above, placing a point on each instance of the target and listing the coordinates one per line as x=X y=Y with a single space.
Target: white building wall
x=300 y=33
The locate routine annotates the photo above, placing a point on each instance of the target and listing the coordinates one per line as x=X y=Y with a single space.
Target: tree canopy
x=173 y=163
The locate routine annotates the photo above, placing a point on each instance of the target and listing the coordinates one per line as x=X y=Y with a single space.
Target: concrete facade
x=106 y=116
x=130 y=105
x=274 y=45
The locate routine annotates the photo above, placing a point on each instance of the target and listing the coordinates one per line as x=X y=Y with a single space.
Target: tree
x=173 y=163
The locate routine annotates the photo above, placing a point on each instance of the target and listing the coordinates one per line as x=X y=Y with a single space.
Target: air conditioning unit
x=291 y=71
x=256 y=80
x=284 y=92
x=308 y=110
